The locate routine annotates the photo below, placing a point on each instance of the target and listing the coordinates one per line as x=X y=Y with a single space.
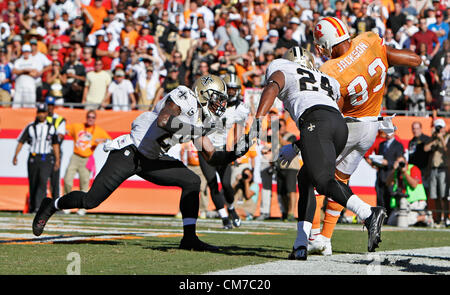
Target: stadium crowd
x=123 y=55
x=128 y=54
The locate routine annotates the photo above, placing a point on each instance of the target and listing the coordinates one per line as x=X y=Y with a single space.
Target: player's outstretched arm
x=275 y=84
x=169 y=111
x=216 y=158
x=402 y=57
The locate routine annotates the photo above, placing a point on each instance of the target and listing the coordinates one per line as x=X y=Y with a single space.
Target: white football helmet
x=211 y=92
x=328 y=32
x=301 y=56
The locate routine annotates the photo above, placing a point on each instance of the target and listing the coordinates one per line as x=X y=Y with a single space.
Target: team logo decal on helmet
x=328 y=32
x=317 y=33
x=206 y=80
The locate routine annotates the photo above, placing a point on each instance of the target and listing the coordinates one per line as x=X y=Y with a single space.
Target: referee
x=44 y=154
x=60 y=124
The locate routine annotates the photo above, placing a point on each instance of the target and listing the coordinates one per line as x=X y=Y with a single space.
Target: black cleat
x=46 y=210
x=373 y=225
x=234 y=217
x=301 y=253
x=226 y=223
x=196 y=245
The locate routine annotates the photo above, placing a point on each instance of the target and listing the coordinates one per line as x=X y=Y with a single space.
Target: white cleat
x=316 y=245
x=327 y=251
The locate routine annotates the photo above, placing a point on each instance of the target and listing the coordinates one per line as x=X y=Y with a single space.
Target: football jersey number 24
x=310 y=83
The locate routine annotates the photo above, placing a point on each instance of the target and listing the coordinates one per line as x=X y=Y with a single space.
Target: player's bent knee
x=324 y=184
x=191 y=182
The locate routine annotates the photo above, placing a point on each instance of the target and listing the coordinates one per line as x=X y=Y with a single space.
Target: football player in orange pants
x=360 y=66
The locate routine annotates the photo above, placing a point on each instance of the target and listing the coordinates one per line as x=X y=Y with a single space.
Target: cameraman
x=246 y=193
x=437 y=147
x=268 y=166
x=406 y=181
x=268 y=169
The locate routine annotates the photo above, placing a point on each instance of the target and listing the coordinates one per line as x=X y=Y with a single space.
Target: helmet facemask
x=216 y=102
x=233 y=95
x=211 y=92
x=323 y=51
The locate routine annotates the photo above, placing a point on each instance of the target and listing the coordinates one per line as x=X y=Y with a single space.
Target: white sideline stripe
x=397 y=262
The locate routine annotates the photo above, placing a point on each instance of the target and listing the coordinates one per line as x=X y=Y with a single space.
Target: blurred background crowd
x=124 y=55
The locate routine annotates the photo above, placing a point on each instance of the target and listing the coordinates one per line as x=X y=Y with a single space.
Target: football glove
x=288 y=153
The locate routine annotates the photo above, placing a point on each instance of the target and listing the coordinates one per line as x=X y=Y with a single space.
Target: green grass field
x=111 y=244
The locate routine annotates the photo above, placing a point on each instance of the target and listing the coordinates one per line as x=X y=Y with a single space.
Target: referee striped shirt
x=40 y=136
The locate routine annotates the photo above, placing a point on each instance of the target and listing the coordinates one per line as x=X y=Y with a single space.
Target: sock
x=359 y=207
x=332 y=214
x=223 y=213
x=231 y=207
x=303 y=231
x=72 y=200
x=314 y=233
x=55 y=204
x=316 y=220
x=189 y=227
x=266 y=196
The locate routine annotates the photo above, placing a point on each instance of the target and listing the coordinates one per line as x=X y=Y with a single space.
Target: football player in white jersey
x=236 y=114
x=311 y=98
x=143 y=153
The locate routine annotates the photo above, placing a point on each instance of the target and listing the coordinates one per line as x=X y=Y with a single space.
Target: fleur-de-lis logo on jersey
x=317 y=32
x=311 y=127
x=206 y=80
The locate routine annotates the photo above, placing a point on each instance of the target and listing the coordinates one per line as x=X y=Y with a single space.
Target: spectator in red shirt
x=87 y=60
x=104 y=51
x=144 y=38
x=10 y=12
x=54 y=54
x=425 y=36
x=55 y=38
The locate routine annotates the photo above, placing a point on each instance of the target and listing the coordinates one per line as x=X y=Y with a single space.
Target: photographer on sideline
x=406 y=180
x=287 y=177
x=438 y=172
x=269 y=167
x=246 y=193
